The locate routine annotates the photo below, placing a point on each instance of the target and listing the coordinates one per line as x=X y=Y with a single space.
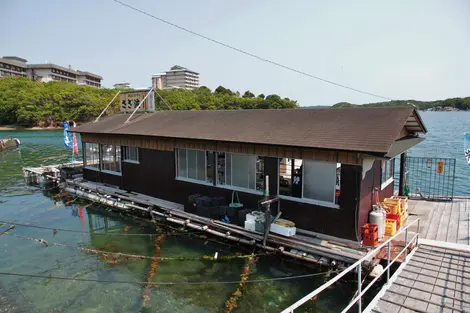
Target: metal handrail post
x=417 y=232
x=359 y=287
x=406 y=243
x=388 y=262
x=135 y=110
x=106 y=107
x=352 y=267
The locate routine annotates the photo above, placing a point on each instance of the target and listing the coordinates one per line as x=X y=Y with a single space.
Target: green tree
x=248 y=94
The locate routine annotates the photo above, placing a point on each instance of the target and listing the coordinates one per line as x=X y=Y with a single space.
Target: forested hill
x=461 y=104
x=28 y=103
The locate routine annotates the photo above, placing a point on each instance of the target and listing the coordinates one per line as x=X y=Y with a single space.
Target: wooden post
x=401 y=188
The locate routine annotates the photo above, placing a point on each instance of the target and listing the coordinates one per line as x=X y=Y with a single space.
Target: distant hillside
x=452 y=104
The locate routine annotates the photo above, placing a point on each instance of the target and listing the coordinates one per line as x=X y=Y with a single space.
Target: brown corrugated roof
x=353 y=129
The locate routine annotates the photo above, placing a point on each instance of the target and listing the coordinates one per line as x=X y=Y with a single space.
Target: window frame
x=114 y=159
x=126 y=155
x=86 y=166
x=322 y=203
x=384 y=169
x=187 y=179
x=236 y=188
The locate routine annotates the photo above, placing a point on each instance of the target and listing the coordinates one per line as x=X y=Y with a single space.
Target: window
x=193 y=165
x=131 y=154
x=92 y=155
x=388 y=169
x=241 y=171
x=310 y=180
x=111 y=158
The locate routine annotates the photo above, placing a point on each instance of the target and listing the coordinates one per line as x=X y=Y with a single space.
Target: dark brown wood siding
x=155 y=176
x=371 y=181
x=105 y=178
x=168 y=144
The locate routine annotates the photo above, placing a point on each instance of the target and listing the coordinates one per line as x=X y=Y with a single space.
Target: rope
x=164 y=283
x=92 y=233
x=138 y=256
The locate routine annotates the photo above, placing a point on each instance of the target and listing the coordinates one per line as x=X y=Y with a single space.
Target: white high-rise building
x=16 y=66
x=176 y=77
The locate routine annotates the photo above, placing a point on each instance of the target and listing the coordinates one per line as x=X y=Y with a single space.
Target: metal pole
x=406 y=243
x=388 y=262
x=417 y=233
x=267 y=213
x=359 y=288
x=401 y=187
x=106 y=107
x=164 y=101
x=135 y=110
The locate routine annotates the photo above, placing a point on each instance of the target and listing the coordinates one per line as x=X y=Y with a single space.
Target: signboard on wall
x=440 y=167
x=131 y=99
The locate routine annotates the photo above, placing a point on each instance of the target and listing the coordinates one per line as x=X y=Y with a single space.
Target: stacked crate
x=397 y=212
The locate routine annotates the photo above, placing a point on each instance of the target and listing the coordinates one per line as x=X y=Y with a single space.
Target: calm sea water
x=30 y=205
x=445 y=140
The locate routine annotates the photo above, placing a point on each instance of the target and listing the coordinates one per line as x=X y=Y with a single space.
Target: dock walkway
x=443 y=221
x=436 y=275
x=435 y=279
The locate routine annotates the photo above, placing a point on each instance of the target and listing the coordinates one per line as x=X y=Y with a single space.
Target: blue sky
x=399 y=49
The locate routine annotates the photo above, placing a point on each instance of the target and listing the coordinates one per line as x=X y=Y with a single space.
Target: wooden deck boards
x=434 y=280
x=442 y=221
x=437 y=276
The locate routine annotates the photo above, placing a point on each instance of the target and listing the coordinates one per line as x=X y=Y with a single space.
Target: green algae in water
x=23 y=256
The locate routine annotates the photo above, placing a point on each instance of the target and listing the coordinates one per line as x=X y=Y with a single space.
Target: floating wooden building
x=323 y=164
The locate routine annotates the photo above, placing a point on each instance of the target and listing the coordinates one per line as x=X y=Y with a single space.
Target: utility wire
x=165 y=283
x=92 y=233
x=251 y=54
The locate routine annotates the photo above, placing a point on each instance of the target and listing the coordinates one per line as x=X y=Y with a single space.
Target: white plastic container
x=254 y=215
x=250 y=225
x=283 y=230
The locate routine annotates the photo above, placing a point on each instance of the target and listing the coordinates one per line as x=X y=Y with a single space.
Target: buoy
x=377 y=270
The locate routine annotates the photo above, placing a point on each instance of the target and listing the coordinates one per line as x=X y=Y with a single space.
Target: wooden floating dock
x=434 y=279
x=47 y=173
x=436 y=275
x=304 y=246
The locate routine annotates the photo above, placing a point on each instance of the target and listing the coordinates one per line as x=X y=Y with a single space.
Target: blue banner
x=67 y=136
x=466 y=146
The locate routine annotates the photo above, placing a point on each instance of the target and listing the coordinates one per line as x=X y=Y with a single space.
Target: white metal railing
x=358 y=267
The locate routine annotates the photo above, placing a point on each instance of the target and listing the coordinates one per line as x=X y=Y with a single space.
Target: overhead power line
x=163 y=283
x=99 y=234
x=250 y=54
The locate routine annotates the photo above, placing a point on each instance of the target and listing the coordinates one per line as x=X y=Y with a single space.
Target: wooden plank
x=463 y=234
x=453 y=224
x=443 y=223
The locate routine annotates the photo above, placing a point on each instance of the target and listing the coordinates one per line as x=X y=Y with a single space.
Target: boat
x=9 y=143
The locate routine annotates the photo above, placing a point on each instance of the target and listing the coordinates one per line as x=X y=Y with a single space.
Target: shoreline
x=17 y=128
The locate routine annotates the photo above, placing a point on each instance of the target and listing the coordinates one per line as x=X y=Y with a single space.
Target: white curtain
x=319 y=181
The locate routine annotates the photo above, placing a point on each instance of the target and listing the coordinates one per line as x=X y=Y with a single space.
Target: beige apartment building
x=176 y=77
x=15 y=66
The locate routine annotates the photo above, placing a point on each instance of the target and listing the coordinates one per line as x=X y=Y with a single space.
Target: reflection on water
x=29 y=205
